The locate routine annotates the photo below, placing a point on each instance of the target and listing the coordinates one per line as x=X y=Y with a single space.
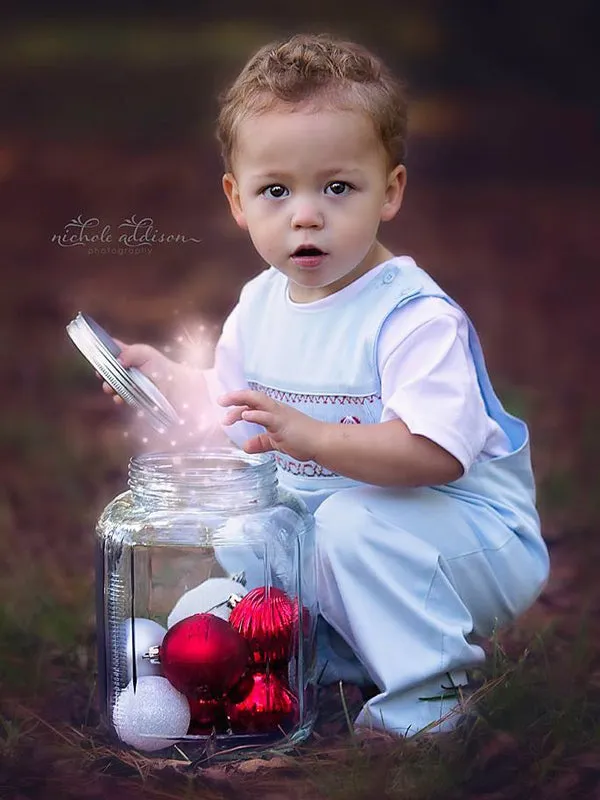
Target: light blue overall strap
x=417 y=283
x=503 y=483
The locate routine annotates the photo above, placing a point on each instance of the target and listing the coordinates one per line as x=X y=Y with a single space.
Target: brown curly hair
x=315 y=71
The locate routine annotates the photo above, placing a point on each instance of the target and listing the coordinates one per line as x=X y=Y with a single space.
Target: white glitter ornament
x=212 y=596
x=156 y=709
x=145 y=634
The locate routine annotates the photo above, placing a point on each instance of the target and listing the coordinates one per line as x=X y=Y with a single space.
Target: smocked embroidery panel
x=347 y=403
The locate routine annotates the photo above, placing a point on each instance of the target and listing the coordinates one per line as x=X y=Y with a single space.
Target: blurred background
x=110 y=113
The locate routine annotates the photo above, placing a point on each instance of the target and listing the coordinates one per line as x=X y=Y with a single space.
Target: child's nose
x=307 y=215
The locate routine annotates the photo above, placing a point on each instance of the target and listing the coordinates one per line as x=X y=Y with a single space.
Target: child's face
x=316 y=180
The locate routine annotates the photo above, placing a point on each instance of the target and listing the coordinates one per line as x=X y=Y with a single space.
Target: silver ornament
x=145 y=634
x=215 y=596
x=142 y=718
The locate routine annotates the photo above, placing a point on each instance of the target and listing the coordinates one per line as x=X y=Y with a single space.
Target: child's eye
x=276 y=191
x=338 y=187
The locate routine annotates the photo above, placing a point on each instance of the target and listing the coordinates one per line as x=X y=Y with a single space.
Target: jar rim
x=202 y=461
x=198 y=474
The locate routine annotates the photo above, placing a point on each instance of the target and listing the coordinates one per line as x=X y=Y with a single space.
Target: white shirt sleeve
x=227 y=375
x=428 y=380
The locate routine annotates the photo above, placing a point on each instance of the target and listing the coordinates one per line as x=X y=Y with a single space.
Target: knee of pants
x=340 y=526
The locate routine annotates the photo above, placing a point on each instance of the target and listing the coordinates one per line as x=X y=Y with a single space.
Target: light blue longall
x=405 y=576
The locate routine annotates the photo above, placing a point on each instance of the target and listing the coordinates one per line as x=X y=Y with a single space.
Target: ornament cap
x=240 y=577
x=233 y=600
x=153 y=654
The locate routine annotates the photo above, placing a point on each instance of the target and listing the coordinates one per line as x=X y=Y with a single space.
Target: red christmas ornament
x=207 y=715
x=242 y=688
x=306 y=622
x=203 y=656
x=265 y=618
x=269 y=706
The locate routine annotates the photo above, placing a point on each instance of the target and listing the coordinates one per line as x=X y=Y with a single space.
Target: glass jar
x=206 y=607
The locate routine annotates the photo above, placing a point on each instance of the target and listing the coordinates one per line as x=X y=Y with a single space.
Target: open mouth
x=307 y=251
x=307 y=256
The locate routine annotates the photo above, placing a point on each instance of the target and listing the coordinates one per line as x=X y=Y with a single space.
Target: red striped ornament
x=265 y=617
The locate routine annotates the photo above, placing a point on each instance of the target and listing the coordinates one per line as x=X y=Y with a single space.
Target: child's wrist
x=320 y=436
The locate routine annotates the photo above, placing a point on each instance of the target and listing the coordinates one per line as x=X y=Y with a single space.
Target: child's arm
x=185 y=387
x=193 y=391
x=386 y=454
x=383 y=454
x=182 y=385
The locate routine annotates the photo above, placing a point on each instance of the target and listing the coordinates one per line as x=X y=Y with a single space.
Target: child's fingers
x=264 y=418
x=136 y=355
x=109 y=390
x=258 y=444
x=234 y=415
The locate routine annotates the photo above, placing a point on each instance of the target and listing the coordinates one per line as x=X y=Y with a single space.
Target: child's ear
x=232 y=193
x=394 y=193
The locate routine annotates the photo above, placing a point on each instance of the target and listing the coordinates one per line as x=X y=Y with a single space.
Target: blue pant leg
x=406 y=576
x=336 y=661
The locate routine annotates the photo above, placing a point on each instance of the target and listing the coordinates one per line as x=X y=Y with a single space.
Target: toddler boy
x=369 y=384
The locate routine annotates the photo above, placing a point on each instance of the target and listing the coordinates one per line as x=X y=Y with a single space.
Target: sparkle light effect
x=192 y=348
x=196 y=350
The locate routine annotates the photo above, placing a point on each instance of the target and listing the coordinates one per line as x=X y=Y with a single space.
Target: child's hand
x=287 y=430
x=155 y=366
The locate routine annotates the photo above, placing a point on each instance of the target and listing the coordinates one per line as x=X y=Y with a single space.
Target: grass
x=534 y=723
x=533 y=718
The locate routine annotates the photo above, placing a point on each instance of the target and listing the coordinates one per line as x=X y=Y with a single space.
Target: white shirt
x=428 y=377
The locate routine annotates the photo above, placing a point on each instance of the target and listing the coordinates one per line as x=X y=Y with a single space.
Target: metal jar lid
x=129 y=383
